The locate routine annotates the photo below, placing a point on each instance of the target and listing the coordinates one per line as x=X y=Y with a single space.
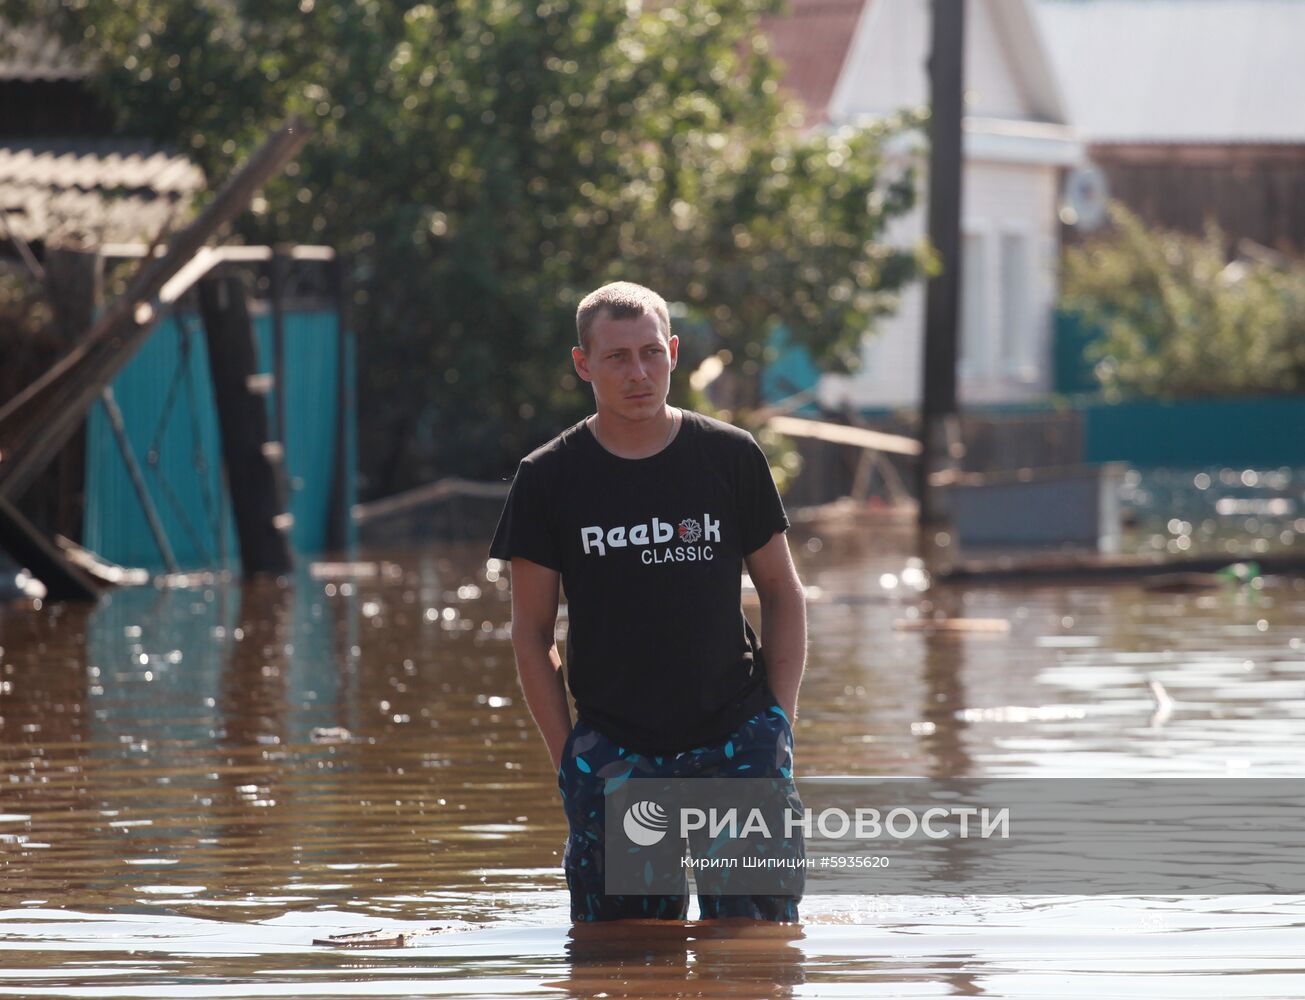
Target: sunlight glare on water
x=197 y=783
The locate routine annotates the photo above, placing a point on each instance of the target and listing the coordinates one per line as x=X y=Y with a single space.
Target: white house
x=853 y=60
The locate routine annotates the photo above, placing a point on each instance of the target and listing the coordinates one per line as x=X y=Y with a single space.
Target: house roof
x=29 y=53
x=813 y=40
x=1008 y=73
x=846 y=58
x=1180 y=71
x=101 y=190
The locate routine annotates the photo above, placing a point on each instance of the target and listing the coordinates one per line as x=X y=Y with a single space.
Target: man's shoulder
x=554 y=450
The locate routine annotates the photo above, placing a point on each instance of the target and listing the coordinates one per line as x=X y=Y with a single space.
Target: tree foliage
x=490 y=161
x=1181 y=321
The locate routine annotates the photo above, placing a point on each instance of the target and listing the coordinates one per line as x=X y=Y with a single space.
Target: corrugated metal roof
x=812 y=40
x=29 y=52
x=104 y=190
x=1180 y=71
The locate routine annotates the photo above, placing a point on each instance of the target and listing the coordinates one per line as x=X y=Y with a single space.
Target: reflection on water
x=196 y=783
x=1240 y=513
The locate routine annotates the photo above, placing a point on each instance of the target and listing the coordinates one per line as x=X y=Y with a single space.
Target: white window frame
x=976 y=363
x=1013 y=348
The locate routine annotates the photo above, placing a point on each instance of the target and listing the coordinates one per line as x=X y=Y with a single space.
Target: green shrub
x=1179 y=320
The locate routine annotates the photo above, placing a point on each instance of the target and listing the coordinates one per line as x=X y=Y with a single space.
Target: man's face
x=629 y=364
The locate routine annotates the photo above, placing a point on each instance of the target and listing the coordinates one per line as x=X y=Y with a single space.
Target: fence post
x=253 y=463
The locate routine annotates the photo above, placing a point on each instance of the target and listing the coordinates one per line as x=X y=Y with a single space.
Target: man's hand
x=783 y=619
x=535 y=591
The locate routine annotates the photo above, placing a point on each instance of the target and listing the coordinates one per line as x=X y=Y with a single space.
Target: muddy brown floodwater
x=195 y=783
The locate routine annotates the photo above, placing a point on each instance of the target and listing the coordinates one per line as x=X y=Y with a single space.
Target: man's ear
x=581 y=363
x=674 y=345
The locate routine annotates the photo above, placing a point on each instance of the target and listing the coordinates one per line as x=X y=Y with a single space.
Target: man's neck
x=635 y=439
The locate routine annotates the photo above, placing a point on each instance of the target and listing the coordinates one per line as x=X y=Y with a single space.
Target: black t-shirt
x=660 y=657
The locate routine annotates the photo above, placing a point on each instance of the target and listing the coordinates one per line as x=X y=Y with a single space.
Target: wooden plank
x=420 y=496
x=981 y=625
x=338 y=515
x=857 y=437
x=33 y=551
x=253 y=477
x=74 y=285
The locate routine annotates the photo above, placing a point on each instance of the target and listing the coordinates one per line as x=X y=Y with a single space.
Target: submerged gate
x=169 y=414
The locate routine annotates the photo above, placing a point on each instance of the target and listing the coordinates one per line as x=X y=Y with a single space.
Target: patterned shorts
x=762 y=747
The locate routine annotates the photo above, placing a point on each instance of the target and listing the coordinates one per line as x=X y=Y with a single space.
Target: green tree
x=1180 y=320
x=489 y=161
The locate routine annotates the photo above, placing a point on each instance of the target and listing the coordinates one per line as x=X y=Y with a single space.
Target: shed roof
x=101 y=190
x=29 y=53
x=1180 y=71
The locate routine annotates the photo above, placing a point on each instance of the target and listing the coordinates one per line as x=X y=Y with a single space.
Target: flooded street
x=197 y=783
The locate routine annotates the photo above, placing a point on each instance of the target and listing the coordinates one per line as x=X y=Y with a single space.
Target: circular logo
x=690 y=530
x=645 y=823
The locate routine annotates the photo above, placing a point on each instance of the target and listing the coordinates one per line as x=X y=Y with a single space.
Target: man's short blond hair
x=620 y=300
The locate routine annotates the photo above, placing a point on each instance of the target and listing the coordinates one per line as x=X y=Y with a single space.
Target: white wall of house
x=1016 y=145
x=1008 y=281
x=1008 y=293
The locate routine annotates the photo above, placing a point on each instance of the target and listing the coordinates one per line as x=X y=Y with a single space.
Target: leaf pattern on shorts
x=584 y=742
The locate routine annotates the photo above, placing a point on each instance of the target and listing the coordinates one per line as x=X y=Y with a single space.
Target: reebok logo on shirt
x=594 y=539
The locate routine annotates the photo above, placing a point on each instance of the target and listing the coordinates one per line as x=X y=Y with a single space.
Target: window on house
x=1012 y=331
x=973 y=346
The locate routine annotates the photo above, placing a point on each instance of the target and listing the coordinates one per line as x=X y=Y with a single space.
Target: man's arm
x=535 y=592
x=783 y=619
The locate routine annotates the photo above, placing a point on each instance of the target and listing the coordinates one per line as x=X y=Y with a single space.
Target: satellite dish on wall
x=1083 y=204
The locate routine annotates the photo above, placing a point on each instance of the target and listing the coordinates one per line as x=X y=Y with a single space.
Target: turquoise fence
x=789 y=371
x=166 y=398
x=1071 y=372
x=1245 y=433
x=1242 y=432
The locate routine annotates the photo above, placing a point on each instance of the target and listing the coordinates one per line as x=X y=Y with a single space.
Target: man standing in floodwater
x=646 y=514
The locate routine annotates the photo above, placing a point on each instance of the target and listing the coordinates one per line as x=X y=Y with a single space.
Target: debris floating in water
x=378 y=938
x=1164 y=705
x=984 y=625
x=1180 y=583
x=1022 y=713
x=355 y=570
x=1239 y=573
